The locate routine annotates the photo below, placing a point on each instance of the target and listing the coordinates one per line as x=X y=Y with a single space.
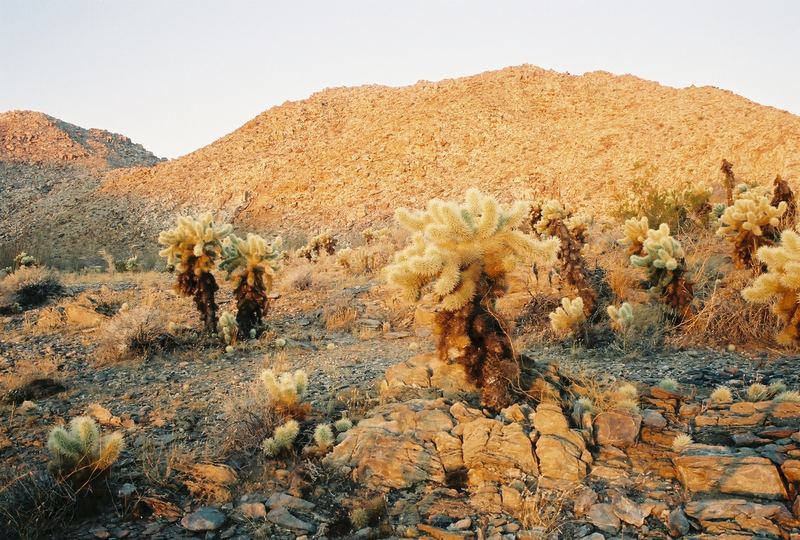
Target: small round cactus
x=681 y=442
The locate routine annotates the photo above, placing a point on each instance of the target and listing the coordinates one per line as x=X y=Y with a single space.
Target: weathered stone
x=514 y=413
x=617 y=428
x=584 y=500
x=758 y=525
x=253 y=510
x=426 y=371
x=489 y=444
x=653 y=419
x=743 y=408
x=284 y=500
x=716 y=469
x=205 y=518
x=444 y=534
x=560 y=459
x=627 y=510
x=752 y=420
x=677 y=523
x=689 y=410
x=602 y=516
x=791 y=470
x=449 y=449
x=728 y=509
x=550 y=420
x=281 y=517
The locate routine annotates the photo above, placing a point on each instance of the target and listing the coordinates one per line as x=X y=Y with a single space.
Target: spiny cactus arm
x=110 y=448
x=64 y=447
x=566 y=318
x=635 y=231
x=465 y=291
x=300 y=379
x=85 y=430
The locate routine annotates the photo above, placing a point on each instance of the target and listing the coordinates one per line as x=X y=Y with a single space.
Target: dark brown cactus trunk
x=202 y=288
x=678 y=295
x=783 y=193
x=573 y=267
x=475 y=337
x=730 y=180
x=251 y=304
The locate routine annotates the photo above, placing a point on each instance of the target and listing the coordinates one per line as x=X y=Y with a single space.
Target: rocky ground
x=424 y=458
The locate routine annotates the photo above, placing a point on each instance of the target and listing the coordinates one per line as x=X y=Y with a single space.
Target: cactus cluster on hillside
x=193 y=247
x=228 y=328
x=635 y=231
x=461 y=254
x=559 y=221
x=80 y=454
x=23 y=260
x=621 y=317
x=251 y=264
x=282 y=439
x=663 y=259
x=323 y=242
x=780 y=285
x=286 y=391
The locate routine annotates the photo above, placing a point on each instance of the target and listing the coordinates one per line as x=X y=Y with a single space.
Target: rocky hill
x=49 y=169
x=346 y=157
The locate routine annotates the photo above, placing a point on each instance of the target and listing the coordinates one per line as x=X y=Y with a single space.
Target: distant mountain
x=346 y=157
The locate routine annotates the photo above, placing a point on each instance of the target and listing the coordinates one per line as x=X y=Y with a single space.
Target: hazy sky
x=176 y=75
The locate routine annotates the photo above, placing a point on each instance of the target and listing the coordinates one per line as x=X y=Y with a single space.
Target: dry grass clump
x=29 y=287
x=757 y=392
x=681 y=442
x=788 y=396
x=23 y=381
x=365 y=260
x=34 y=505
x=137 y=332
x=298 y=277
x=721 y=394
x=339 y=314
x=544 y=510
x=249 y=419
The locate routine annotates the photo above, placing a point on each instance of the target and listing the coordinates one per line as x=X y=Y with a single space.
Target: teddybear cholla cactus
x=462 y=254
x=635 y=231
x=567 y=319
x=282 y=439
x=664 y=261
x=322 y=242
x=193 y=247
x=780 y=284
x=251 y=264
x=621 y=317
x=557 y=220
x=228 y=328
x=750 y=223
x=286 y=391
x=781 y=192
x=80 y=454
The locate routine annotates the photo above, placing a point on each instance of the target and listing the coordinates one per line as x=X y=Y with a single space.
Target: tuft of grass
x=721 y=394
x=545 y=510
x=137 y=332
x=757 y=392
x=29 y=287
x=680 y=442
x=788 y=396
x=669 y=384
x=776 y=387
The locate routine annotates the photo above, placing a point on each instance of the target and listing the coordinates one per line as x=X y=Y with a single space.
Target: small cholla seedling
x=80 y=454
x=669 y=384
x=372 y=235
x=628 y=405
x=718 y=209
x=556 y=220
x=585 y=404
x=282 y=439
x=359 y=518
x=193 y=247
x=323 y=242
x=323 y=436
x=750 y=223
x=780 y=284
x=721 y=394
x=621 y=317
x=569 y=317
x=635 y=231
x=228 y=328
x=757 y=392
x=681 y=442
x=343 y=424
x=251 y=264
x=23 y=260
x=287 y=391
x=462 y=254
x=788 y=396
x=664 y=262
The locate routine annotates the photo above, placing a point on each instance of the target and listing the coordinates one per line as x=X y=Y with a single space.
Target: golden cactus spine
x=251 y=264
x=193 y=247
x=780 y=284
x=460 y=254
x=80 y=454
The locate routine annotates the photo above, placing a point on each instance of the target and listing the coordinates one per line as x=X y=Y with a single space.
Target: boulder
x=617 y=428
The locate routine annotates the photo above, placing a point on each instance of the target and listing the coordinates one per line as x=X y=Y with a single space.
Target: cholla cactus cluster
x=557 y=220
x=193 y=247
x=323 y=437
x=621 y=317
x=750 y=223
x=286 y=391
x=681 y=442
x=251 y=264
x=343 y=424
x=228 y=328
x=635 y=231
x=462 y=253
x=664 y=260
x=371 y=235
x=780 y=284
x=282 y=439
x=23 y=260
x=323 y=242
x=569 y=317
x=80 y=454
x=721 y=394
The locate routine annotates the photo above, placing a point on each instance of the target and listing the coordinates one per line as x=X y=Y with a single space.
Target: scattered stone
x=461 y=524
x=602 y=516
x=284 y=500
x=654 y=419
x=205 y=518
x=617 y=428
x=628 y=511
x=444 y=534
x=253 y=510
x=677 y=523
x=281 y=517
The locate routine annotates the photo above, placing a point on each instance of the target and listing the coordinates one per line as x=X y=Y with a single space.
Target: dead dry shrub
x=34 y=505
x=545 y=510
x=137 y=332
x=339 y=313
x=298 y=277
x=160 y=463
x=31 y=379
x=29 y=287
x=249 y=419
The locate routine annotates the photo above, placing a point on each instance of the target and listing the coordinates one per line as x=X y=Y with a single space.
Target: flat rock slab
x=283 y=518
x=205 y=518
x=617 y=428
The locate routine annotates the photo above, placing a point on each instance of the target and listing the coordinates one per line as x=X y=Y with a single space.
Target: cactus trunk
x=251 y=303
x=475 y=337
x=574 y=267
x=202 y=288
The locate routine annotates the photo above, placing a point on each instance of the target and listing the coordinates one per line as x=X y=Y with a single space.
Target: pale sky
x=176 y=75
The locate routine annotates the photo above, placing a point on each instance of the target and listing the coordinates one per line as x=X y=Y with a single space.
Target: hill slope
x=48 y=171
x=347 y=156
